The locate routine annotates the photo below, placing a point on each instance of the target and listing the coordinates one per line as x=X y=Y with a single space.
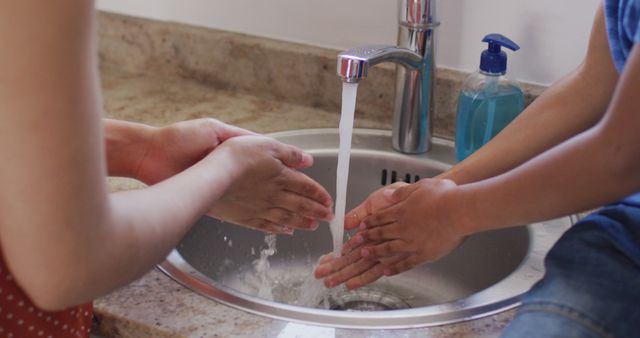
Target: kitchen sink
x=487 y=274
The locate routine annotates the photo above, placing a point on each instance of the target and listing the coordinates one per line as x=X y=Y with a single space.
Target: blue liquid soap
x=488 y=100
x=486 y=116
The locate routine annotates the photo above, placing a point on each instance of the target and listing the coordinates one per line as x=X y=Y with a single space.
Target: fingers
x=357 y=272
x=354 y=217
x=369 y=276
x=292 y=157
x=326 y=258
x=353 y=243
x=330 y=265
x=375 y=201
x=349 y=272
x=384 y=217
x=398 y=267
x=378 y=203
x=384 y=249
x=382 y=233
x=286 y=218
x=397 y=185
x=401 y=193
x=266 y=226
x=301 y=206
x=301 y=184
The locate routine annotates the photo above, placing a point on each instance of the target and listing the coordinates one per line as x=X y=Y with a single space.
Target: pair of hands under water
x=399 y=227
x=266 y=190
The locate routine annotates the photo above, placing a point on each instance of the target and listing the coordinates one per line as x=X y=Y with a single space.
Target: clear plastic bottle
x=488 y=100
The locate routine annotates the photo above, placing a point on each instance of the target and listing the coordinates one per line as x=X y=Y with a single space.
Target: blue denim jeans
x=591 y=287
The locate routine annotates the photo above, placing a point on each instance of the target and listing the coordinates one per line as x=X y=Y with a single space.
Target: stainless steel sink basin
x=486 y=275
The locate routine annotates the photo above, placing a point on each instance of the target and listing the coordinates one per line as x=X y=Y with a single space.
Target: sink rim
x=481 y=304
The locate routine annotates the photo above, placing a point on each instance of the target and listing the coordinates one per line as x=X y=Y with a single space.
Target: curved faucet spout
x=415 y=79
x=353 y=64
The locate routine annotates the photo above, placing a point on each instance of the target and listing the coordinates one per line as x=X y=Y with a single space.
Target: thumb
x=228 y=131
x=293 y=157
x=208 y=132
x=395 y=195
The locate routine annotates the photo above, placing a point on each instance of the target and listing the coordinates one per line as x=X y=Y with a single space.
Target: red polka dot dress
x=19 y=318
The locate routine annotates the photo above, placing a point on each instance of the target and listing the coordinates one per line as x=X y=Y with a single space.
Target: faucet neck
x=415 y=79
x=418 y=14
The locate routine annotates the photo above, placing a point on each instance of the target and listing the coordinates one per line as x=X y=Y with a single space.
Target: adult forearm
x=126 y=144
x=148 y=223
x=136 y=231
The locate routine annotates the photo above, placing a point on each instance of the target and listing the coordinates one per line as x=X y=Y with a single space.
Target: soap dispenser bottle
x=488 y=100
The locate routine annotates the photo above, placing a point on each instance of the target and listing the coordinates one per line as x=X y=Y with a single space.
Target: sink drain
x=366 y=300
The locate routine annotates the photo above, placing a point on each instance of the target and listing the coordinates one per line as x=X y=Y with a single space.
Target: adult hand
x=171 y=149
x=266 y=192
x=419 y=227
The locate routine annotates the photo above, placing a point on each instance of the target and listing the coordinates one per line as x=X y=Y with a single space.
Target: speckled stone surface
x=275 y=70
x=158 y=73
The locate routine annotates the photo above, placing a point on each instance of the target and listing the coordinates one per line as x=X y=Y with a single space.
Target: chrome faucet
x=415 y=73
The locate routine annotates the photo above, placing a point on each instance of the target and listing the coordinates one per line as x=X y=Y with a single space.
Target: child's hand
x=266 y=192
x=377 y=200
x=420 y=227
x=172 y=149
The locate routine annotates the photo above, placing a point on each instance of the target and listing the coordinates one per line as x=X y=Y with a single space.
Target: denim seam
x=569 y=313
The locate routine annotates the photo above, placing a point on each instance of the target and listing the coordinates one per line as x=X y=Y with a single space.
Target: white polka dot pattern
x=19 y=318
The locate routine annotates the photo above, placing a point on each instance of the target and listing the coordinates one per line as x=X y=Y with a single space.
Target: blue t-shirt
x=623 y=28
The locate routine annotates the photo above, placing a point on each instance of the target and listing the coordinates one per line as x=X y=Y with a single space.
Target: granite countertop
x=155 y=305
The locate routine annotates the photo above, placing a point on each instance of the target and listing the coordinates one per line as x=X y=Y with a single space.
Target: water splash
x=261 y=267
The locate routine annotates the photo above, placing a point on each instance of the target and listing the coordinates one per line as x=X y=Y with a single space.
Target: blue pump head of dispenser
x=493 y=59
